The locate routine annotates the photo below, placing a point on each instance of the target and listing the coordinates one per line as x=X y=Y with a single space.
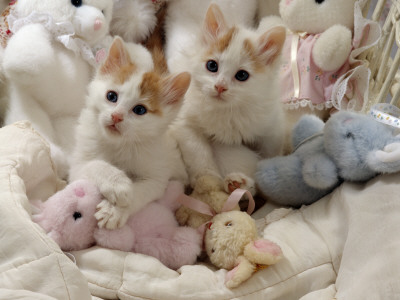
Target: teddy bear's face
x=68 y=216
x=315 y=16
x=90 y=18
x=226 y=237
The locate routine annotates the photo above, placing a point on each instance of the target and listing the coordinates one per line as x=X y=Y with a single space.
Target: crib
x=344 y=246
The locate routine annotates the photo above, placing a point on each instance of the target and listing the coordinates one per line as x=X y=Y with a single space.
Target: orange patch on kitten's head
x=150 y=89
x=222 y=42
x=250 y=50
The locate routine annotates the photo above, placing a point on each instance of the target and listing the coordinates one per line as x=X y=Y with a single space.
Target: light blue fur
x=326 y=154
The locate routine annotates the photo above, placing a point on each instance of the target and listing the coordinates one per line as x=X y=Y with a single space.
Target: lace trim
x=302 y=103
x=62 y=32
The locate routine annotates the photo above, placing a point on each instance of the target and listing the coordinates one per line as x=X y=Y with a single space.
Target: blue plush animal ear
x=307 y=126
x=386 y=160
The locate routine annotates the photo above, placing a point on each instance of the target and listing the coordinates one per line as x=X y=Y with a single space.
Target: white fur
x=133 y=20
x=215 y=135
x=47 y=82
x=133 y=168
x=183 y=24
x=332 y=48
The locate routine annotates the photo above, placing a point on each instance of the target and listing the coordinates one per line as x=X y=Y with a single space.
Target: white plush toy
x=48 y=62
x=134 y=20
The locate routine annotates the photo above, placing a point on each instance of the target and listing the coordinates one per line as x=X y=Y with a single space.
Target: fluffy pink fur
x=152 y=231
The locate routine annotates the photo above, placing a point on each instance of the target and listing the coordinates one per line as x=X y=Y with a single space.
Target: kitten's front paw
x=118 y=191
x=234 y=181
x=111 y=216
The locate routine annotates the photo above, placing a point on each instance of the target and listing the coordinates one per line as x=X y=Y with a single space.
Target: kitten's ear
x=175 y=87
x=118 y=57
x=270 y=44
x=214 y=23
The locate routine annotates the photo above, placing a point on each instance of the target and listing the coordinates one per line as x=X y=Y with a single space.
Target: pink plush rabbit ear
x=241 y=272
x=263 y=252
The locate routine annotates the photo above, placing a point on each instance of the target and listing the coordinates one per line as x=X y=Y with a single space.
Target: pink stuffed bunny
x=68 y=218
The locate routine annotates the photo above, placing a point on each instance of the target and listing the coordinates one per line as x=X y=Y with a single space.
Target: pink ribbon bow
x=230 y=203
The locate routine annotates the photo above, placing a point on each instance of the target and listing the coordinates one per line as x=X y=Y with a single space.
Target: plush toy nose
x=98 y=24
x=117 y=118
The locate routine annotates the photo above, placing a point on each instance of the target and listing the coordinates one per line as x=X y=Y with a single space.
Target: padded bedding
x=344 y=246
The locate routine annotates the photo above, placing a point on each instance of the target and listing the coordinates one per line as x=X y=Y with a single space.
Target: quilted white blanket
x=345 y=246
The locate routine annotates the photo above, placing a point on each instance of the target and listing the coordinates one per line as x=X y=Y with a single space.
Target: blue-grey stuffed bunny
x=349 y=147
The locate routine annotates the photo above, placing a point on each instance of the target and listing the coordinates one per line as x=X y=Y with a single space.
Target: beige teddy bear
x=210 y=190
x=232 y=243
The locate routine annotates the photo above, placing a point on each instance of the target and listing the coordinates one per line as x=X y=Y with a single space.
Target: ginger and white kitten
x=185 y=17
x=121 y=139
x=232 y=114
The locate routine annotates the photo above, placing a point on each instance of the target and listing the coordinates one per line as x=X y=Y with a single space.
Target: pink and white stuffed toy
x=321 y=65
x=68 y=218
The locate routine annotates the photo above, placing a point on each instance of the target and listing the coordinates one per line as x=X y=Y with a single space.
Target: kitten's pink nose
x=220 y=88
x=117 y=118
x=97 y=24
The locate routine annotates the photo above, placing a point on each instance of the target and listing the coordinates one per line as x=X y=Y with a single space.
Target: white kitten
x=121 y=140
x=184 y=19
x=232 y=114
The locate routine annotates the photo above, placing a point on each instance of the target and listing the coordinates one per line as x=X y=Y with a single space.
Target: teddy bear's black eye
x=77 y=215
x=319 y=1
x=212 y=250
x=349 y=135
x=76 y=3
x=228 y=224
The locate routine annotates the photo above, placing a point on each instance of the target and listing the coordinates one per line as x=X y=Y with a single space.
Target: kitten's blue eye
x=76 y=3
x=112 y=96
x=139 y=110
x=242 y=75
x=212 y=66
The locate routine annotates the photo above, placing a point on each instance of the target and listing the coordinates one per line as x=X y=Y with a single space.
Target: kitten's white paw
x=234 y=181
x=118 y=191
x=111 y=216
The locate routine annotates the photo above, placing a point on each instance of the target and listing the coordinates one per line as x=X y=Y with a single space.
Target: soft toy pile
x=350 y=146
